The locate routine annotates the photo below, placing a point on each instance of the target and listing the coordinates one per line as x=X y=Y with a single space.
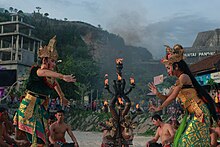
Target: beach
x=94 y=139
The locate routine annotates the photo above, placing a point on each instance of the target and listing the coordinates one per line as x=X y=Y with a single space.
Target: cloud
x=90 y=6
x=181 y=29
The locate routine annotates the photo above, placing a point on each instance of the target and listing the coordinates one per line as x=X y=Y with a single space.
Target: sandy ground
x=94 y=139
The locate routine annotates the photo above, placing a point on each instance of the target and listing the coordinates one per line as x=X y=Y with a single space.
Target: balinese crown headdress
x=174 y=54
x=49 y=50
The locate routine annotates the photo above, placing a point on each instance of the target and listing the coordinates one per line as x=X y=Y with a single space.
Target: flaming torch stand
x=119 y=95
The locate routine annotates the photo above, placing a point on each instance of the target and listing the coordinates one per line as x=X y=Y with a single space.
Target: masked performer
x=198 y=105
x=32 y=115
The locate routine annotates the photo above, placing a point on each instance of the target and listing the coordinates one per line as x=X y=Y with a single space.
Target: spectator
x=58 y=130
x=164 y=131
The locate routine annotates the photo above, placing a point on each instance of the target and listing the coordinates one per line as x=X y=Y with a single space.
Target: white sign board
x=216 y=77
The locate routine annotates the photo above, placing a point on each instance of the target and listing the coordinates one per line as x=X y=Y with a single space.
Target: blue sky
x=145 y=23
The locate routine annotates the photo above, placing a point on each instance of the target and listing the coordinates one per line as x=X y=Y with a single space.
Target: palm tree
x=38 y=9
x=11 y=9
x=6 y=11
x=213 y=84
x=15 y=10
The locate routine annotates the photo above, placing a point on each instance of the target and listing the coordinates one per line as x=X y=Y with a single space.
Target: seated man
x=214 y=135
x=5 y=139
x=58 y=130
x=174 y=123
x=164 y=131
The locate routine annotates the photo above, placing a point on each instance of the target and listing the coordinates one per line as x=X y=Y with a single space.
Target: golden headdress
x=49 y=50
x=174 y=54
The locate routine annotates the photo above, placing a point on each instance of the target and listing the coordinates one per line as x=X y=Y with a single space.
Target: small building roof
x=208 y=64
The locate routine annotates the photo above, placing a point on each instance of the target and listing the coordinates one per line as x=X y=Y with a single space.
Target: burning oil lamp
x=106 y=81
x=105 y=103
x=119 y=77
x=132 y=82
x=137 y=106
x=119 y=60
x=121 y=99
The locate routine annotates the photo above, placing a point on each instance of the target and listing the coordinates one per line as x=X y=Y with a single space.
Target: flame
x=120 y=100
x=105 y=103
x=131 y=80
x=106 y=82
x=137 y=106
x=119 y=77
x=119 y=60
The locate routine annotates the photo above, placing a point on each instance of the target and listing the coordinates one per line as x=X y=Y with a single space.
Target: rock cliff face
x=208 y=39
x=106 y=47
x=206 y=44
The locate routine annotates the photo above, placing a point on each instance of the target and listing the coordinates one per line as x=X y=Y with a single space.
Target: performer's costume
x=194 y=128
x=32 y=114
x=195 y=131
x=60 y=142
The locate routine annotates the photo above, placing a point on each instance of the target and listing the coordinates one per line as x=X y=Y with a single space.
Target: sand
x=94 y=139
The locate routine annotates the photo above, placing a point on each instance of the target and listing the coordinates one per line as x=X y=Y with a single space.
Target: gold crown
x=174 y=54
x=49 y=50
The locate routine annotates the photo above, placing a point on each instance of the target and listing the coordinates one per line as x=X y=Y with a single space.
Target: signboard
x=158 y=79
x=216 y=77
x=203 y=79
x=86 y=99
x=199 y=54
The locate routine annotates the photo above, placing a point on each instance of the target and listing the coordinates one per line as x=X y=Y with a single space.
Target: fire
x=131 y=80
x=119 y=61
x=137 y=106
x=120 y=100
x=106 y=82
x=119 y=77
x=105 y=103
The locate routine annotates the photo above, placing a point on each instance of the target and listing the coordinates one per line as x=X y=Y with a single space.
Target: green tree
x=15 y=10
x=46 y=14
x=11 y=9
x=86 y=73
x=213 y=84
x=38 y=9
x=20 y=12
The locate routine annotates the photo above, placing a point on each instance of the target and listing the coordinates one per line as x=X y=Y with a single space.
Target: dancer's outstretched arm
x=154 y=90
x=50 y=73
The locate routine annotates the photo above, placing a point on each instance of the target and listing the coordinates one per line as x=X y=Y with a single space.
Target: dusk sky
x=145 y=23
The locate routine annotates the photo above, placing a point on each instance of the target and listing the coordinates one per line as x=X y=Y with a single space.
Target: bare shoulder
x=185 y=79
x=167 y=125
x=68 y=126
x=52 y=125
x=158 y=129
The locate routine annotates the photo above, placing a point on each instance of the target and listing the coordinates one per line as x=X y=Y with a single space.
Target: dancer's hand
x=153 y=108
x=165 y=142
x=69 y=78
x=64 y=102
x=152 y=88
x=148 y=144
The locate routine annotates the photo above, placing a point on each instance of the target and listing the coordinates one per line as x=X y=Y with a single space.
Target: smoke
x=135 y=30
x=128 y=26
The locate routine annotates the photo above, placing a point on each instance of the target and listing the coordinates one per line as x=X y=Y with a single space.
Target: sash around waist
x=37 y=95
